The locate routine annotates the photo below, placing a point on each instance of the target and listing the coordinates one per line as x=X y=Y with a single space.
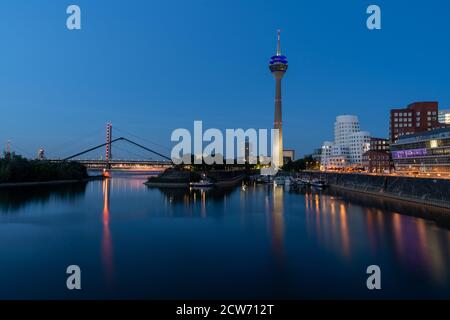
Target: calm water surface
x=261 y=241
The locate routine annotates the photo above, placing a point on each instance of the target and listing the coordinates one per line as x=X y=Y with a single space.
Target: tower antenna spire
x=278 y=43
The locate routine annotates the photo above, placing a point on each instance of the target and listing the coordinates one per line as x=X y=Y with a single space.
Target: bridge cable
x=91 y=149
x=112 y=141
x=143 y=139
x=128 y=151
x=145 y=148
x=72 y=143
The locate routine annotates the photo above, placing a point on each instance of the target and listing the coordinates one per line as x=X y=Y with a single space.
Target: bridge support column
x=108 y=150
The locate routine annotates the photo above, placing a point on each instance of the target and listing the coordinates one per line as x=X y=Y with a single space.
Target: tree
x=306 y=163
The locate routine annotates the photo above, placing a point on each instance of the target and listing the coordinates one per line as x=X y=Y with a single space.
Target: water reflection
x=275 y=212
x=194 y=201
x=415 y=244
x=107 y=247
x=327 y=220
x=15 y=199
x=288 y=241
x=339 y=222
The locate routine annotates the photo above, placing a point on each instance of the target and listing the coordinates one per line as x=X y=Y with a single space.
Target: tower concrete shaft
x=278 y=66
x=278 y=121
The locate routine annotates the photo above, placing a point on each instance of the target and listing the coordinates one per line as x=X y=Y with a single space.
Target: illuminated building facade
x=427 y=152
x=379 y=144
x=444 y=116
x=417 y=117
x=376 y=162
x=349 y=144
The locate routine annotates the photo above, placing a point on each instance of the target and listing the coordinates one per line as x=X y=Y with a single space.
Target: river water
x=255 y=241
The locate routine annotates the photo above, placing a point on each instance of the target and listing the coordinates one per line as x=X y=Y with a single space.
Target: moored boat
x=282 y=180
x=318 y=183
x=301 y=181
x=202 y=184
x=262 y=179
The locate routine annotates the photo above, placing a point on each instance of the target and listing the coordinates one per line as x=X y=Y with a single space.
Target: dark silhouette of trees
x=15 y=168
x=306 y=163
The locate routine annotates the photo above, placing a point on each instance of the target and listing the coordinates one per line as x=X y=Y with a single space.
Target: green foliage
x=306 y=163
x=14 y=168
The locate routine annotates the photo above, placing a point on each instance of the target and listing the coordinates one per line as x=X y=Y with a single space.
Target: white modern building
x=359 y=143
x=326 y=154
x=444 y=116
x=344 y=127
x=349 y=144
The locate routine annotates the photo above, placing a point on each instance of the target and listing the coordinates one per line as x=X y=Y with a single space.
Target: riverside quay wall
x=428 y=191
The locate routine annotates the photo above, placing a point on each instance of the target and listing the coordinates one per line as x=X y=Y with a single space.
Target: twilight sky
x=150 y=67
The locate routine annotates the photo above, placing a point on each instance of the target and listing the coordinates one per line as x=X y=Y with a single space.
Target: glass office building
x=426 y=152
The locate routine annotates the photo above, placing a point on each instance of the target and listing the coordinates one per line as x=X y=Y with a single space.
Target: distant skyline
x=150 y=67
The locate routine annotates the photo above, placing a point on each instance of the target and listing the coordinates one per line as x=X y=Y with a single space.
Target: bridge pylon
x=108 y=149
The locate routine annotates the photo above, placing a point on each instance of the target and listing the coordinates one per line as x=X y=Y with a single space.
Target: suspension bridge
x=108 y=162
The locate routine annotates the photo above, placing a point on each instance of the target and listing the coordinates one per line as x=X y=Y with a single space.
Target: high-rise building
x=416 y=117
x=349 y=145
x=359 y=142
x=278 y=65
x=344 y=127
x=350 y=139
x=444 y=116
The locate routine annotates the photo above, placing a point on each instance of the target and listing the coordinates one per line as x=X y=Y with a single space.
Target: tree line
x=15 y=168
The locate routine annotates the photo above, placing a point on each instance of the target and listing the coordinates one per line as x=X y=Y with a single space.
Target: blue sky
x=152 y=66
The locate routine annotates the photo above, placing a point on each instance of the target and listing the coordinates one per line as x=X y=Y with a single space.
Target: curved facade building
x=344 y=127
x=358 y=143
x=350 y=143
